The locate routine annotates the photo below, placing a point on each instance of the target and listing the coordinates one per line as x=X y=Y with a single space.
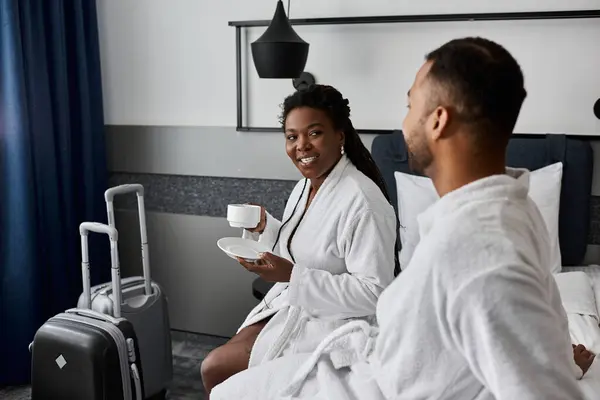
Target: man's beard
x=419 y=156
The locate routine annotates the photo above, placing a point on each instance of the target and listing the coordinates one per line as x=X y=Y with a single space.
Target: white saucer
x=242 y=248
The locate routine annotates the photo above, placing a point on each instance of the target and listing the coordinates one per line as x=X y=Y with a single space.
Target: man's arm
x=512 y=338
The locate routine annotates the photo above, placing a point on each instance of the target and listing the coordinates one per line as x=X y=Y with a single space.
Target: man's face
x=415 y=127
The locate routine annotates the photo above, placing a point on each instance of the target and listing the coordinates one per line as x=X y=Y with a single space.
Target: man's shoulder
x=500 y=224
x=464 y=252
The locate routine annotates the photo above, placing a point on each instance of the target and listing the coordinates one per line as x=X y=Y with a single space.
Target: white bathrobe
x=475 y=316
x=344 y=258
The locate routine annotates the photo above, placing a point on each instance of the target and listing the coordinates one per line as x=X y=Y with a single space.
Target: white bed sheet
x=593 y=271
x=584 y=329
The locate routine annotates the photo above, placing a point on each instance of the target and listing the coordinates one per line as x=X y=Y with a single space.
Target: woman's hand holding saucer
x=270 y=267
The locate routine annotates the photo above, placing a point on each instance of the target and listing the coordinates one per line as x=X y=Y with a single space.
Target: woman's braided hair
x=330 y=100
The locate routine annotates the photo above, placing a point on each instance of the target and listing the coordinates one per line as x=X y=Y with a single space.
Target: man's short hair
x=481 y=82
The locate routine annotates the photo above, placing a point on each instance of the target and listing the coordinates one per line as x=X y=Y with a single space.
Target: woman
x=335 y=251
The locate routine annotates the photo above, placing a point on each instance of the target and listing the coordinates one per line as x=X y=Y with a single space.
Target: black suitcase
x=85 y=355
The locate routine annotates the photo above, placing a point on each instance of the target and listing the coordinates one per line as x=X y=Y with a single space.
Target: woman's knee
x=230 y=358
x=222 y=363
x=212 y=366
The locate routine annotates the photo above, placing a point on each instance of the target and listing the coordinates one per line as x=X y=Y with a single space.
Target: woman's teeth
x=307 y=160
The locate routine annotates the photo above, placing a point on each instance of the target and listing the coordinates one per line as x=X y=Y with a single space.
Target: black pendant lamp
x=280 y=52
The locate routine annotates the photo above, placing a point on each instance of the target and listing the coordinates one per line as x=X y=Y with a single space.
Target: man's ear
x=438 y=122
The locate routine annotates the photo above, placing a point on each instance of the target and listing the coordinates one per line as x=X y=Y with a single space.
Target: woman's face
x=311 y=142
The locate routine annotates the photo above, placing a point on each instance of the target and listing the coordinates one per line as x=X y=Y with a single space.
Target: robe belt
x=291 y=322
x=351 y=343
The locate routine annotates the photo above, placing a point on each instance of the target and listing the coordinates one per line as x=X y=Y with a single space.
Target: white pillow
x=544 y=189
x=417 y=193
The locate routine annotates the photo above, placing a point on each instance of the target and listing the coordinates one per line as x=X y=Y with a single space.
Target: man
x=477 y=314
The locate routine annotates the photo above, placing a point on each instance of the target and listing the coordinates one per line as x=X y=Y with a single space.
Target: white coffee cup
x=245 y=216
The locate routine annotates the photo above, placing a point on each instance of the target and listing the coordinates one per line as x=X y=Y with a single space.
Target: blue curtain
x=52 y=166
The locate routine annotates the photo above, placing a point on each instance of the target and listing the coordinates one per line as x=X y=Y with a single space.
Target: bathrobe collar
x=514 y=184
x=331 y=181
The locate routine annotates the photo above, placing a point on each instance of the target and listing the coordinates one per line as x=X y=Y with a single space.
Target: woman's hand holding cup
x=251 y=217
x=260 y=228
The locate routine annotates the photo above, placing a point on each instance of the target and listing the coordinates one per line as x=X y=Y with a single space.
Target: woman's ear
x=342 y=136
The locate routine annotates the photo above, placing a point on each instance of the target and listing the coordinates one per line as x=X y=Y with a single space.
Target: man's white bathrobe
x=476 y=316
x=344 y=258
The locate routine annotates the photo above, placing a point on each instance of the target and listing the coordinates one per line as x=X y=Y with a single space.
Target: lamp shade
x=279 y=52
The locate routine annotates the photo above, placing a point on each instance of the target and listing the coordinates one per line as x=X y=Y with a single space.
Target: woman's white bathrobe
x=476 y=315
x=344 y=258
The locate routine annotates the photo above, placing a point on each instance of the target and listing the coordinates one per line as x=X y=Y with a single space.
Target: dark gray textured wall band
x=209 y=196
x=203 y=195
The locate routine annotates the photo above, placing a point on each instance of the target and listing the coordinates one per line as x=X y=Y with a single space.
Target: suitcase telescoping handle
x=84 y=229
x=138 y=189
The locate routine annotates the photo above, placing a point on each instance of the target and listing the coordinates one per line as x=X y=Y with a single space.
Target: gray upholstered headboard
x=531 y=152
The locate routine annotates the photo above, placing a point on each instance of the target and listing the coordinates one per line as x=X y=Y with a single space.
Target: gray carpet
x=188 y=352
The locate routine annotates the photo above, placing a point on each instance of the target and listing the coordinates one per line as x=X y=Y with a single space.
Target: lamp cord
x=289 y=9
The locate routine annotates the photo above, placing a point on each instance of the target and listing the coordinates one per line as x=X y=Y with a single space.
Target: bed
x=579 y=285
